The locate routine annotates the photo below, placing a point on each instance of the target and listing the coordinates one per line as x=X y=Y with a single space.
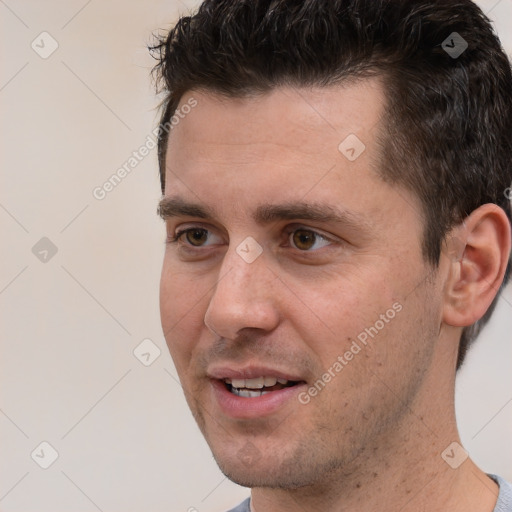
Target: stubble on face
x=366 y=409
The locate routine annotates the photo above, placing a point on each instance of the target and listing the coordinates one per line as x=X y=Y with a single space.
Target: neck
x=464 y=490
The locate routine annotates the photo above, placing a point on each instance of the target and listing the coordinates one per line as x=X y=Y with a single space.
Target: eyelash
x=177 y=236
x=289 y=230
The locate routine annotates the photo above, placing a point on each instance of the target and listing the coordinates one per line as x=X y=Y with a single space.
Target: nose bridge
x=242 y=296
x=244 y=278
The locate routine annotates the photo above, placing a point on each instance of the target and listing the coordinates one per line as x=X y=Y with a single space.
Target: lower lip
x=247 y=408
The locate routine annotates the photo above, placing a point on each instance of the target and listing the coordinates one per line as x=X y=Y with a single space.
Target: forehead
x=303 y=118
x=232 y=155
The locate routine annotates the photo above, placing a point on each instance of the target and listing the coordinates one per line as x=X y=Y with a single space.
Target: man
x=334 y=178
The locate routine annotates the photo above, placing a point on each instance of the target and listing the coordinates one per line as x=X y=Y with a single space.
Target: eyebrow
x=176 y=207
x=268 y=213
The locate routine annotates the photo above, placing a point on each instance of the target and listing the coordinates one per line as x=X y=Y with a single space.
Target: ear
x=479 y=251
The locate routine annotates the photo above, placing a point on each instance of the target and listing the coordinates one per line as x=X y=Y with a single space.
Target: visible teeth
x=247 y=393
x=255 y=383
x=238 y=383
x=270 y=381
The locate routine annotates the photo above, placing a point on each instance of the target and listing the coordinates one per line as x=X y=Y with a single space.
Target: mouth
x=253 y=393
x=259 y=386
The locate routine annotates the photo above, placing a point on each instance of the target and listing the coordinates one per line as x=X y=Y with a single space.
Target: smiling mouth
x=259 y=386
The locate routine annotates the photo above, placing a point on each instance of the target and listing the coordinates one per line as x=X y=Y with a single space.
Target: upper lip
x=250 y=372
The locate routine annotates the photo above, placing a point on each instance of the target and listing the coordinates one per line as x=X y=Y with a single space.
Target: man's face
x=304 y=272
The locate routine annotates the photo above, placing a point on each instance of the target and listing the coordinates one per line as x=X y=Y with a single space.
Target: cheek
x=346 y=303
x=354 y=315
x=183 y=304
x=181 y=292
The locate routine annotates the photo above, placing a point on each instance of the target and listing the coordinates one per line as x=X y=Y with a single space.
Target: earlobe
x=479 y=252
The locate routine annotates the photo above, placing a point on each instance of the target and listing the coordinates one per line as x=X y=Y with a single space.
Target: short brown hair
x=448 y=125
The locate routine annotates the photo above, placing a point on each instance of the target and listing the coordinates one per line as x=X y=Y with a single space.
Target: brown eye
x=196 y=237
x=308 y=240
x=304 y=239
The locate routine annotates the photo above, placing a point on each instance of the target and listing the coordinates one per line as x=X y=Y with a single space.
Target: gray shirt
x=504 y=503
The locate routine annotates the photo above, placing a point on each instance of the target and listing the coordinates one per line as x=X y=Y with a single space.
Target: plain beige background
x=71 y=320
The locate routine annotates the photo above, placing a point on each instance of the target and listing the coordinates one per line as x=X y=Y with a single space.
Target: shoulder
x=243 y=507
x=504 y=503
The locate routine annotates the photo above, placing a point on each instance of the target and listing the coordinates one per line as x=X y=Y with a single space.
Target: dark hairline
x=434 y=101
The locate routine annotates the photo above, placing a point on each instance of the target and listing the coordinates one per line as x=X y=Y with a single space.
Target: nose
x=244 y=297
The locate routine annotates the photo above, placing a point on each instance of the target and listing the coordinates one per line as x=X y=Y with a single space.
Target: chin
x=245 y=477
x=258 y=477
x=246 y=466
x=265 y=471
